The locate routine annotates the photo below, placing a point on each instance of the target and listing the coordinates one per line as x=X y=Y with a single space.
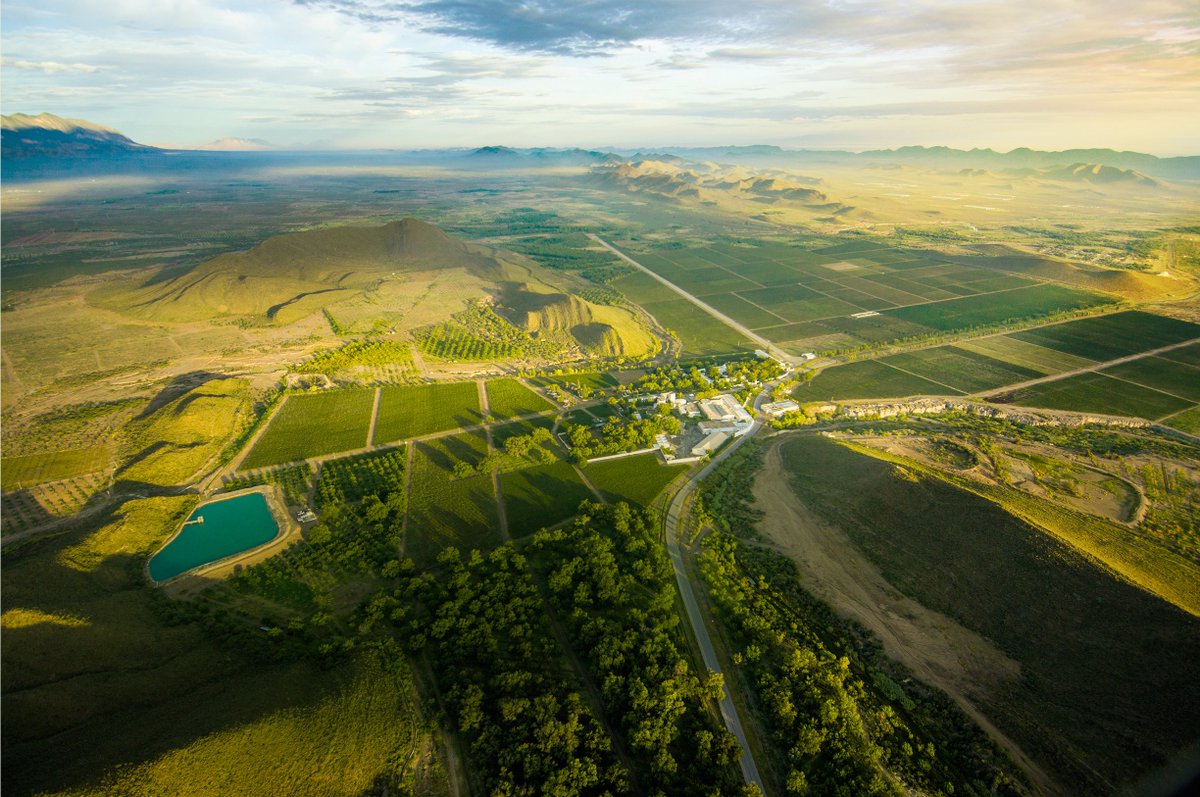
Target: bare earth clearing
x=939 y=651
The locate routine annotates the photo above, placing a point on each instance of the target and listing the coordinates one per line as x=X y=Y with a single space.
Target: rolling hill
x=407 y=272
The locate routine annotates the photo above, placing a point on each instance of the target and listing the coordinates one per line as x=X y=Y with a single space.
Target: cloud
x=50 y=67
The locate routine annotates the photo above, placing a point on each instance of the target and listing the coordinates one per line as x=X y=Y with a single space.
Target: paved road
x=674 y=518
x=775 y=351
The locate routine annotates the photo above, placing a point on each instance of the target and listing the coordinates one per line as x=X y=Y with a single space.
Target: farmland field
x=508 y=398
x=1189 y=355
x=444 y=510
x=699 y=332
x=1111 y=336
x=541 y=496
x=1094 y=392
x=985 y=309
x=415 y=410
x=1025 y=354
x=294 y=480
x=775 y=290
x=24 y=471
x=866 y=379
x=1186 y=421
x=314 y=424
x=595 y=380
x=1169 y=376
x=636 y=480
x=961 y=368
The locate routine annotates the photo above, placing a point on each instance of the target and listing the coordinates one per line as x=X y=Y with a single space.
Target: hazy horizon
x=417 y=74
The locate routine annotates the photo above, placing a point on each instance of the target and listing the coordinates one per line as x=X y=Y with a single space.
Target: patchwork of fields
x=1155 y=387
x=807 y=300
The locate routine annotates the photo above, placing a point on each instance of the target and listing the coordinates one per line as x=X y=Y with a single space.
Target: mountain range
x=46 y=136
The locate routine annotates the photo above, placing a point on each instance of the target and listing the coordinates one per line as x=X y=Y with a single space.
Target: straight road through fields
x=775 y=351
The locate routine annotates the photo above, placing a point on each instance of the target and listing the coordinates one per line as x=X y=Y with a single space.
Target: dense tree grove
x=610 y=580
x=706 y=376
x=619 y=434
x=481 y=627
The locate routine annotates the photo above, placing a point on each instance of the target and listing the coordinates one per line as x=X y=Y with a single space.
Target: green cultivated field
x=541 y=496
x=596 y=380
x=24 y=471
x=1093 y=392
x=866 y=379
x=1189 y=355
x=1025 y=354
x=1169 y=376
x=1111 y=336
x=961 y=368
x=636 y=480
x=1186 y=421
x=699 y=332
x=444 y=510
x=777 y=290
x=508 y=398
x=978 y=311
x=415 y=410
x=310 y=425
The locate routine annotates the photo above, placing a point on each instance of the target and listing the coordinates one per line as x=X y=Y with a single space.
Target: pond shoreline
x=196 y=579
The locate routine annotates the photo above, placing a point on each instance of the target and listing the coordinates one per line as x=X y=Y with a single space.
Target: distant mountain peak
x=493 y=151
x=237 y=145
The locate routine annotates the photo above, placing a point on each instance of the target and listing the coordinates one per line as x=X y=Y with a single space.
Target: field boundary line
x=1147 y=387
x=588 y=483
x=712 y=311
x=765 y=310
x=374 y=418
x=918 y=376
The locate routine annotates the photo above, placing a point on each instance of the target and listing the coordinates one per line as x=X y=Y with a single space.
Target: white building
x=709 y=444
x=724 y=408
x=777 y=408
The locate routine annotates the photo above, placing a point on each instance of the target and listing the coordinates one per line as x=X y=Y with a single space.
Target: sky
x=844 y=74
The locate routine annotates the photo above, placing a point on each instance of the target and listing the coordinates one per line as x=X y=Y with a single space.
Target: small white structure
x=808 y=355
x=306 y=516
x=777 y=408
x=709 y=444
x=690 y=409
x=762 y=355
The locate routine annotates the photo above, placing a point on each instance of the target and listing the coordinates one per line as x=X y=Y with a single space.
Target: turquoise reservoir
x=230 y=526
